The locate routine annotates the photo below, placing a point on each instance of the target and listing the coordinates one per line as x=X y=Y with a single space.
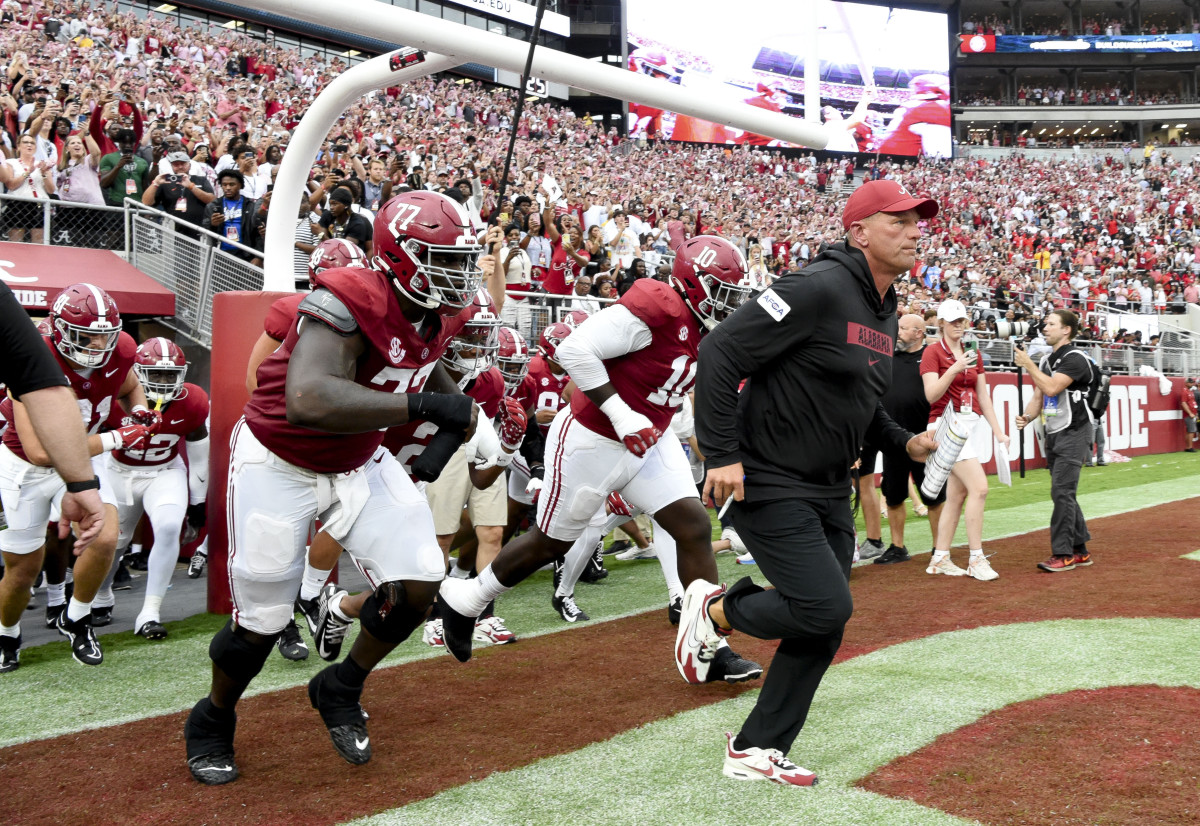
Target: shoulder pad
x=324 y=306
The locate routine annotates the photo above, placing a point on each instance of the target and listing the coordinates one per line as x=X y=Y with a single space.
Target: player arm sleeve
x=533 y=447
x=197 y=452
x=609 y=334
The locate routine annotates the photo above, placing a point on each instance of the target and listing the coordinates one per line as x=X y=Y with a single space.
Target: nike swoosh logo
x=111 y=372
x=362 y=744
x=176 y=421
x=872 y=362
x=220 y=768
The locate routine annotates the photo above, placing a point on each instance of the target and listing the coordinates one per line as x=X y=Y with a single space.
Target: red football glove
x=150 y=419
x=617 y=504
x=640 y=441
x=513 y=422
x=132 y=437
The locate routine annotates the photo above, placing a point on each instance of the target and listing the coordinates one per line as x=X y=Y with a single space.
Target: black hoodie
x=816 y=349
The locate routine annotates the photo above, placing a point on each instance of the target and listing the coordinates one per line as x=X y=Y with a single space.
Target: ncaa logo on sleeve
x=775 y=306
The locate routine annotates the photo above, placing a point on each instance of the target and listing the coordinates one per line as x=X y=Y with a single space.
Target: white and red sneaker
x=763 y=764
x=433 y=634
x=493 y=630
x=698 y=636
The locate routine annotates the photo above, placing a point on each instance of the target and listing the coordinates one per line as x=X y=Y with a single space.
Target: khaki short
x=453 y=489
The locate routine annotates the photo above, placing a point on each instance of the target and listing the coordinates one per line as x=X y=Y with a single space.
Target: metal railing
x=64 y=223
x=187 y=259
x=1120 y=359
x=531 y=312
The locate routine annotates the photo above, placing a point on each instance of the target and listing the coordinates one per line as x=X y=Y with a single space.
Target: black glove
x=197 y=515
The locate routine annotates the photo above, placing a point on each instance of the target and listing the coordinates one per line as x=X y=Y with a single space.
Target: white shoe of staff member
x=981 y=569
x=944 y=566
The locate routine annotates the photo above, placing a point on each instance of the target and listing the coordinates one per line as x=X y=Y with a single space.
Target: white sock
x=77 y=610
x=135 y=548
x=938 y=556
x=10 y=630
x=151 y=610
x=668 y=559
x=56 y=594
x=314 y=578
x=977 y=553
x=489 y=587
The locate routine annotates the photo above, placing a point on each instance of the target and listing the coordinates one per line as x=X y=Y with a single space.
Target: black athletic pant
x=1065 y=455
x=804 y=547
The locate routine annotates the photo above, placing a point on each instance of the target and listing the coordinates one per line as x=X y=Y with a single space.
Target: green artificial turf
x=51 y=695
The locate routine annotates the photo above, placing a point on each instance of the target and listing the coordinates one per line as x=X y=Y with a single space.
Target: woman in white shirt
x=26 y=178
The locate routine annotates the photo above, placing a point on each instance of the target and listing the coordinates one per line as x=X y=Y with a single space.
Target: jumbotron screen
x=884 y=71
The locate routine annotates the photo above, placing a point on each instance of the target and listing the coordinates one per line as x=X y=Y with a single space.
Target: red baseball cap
x=884 y=196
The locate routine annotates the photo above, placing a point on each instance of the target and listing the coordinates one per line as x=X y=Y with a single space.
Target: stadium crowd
x=1047 y=233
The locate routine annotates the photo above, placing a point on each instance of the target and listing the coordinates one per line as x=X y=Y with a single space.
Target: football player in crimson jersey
x=633 y=363
x=361 y=357
x=470 y=359
x=97 y=358
x=153 y=477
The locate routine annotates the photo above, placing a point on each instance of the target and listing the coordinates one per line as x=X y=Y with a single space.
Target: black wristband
x=446 y=410
x=537 y=472
x=80 y=487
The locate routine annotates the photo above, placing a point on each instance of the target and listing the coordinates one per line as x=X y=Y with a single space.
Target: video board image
x=884 y=71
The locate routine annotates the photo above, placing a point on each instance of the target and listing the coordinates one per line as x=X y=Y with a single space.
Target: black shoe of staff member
x=893 y=554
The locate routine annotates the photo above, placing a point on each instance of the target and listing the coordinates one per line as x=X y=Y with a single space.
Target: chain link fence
x=63 y=223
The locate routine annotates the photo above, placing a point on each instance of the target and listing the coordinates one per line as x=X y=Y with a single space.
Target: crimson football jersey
x=96 y=394
x=526 y=393
x=547 y=386
x=655 y=379
x=409 y=441
x=398 y=359
x=182 y=416
x=282 y=315
x=488 y=390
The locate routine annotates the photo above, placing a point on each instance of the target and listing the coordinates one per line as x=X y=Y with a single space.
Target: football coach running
x=816 y=349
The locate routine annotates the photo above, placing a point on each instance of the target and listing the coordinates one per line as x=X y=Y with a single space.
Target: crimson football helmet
x=512 y=357
x=160 y=366
x=473 y=348
x=930 y=86
x=335 y=252
x=424 y=241
x=574 y=318
x=552 y=337
x=709 y=272
x=85 y=325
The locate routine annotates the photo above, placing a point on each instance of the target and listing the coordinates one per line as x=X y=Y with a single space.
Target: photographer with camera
x=180 y=194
